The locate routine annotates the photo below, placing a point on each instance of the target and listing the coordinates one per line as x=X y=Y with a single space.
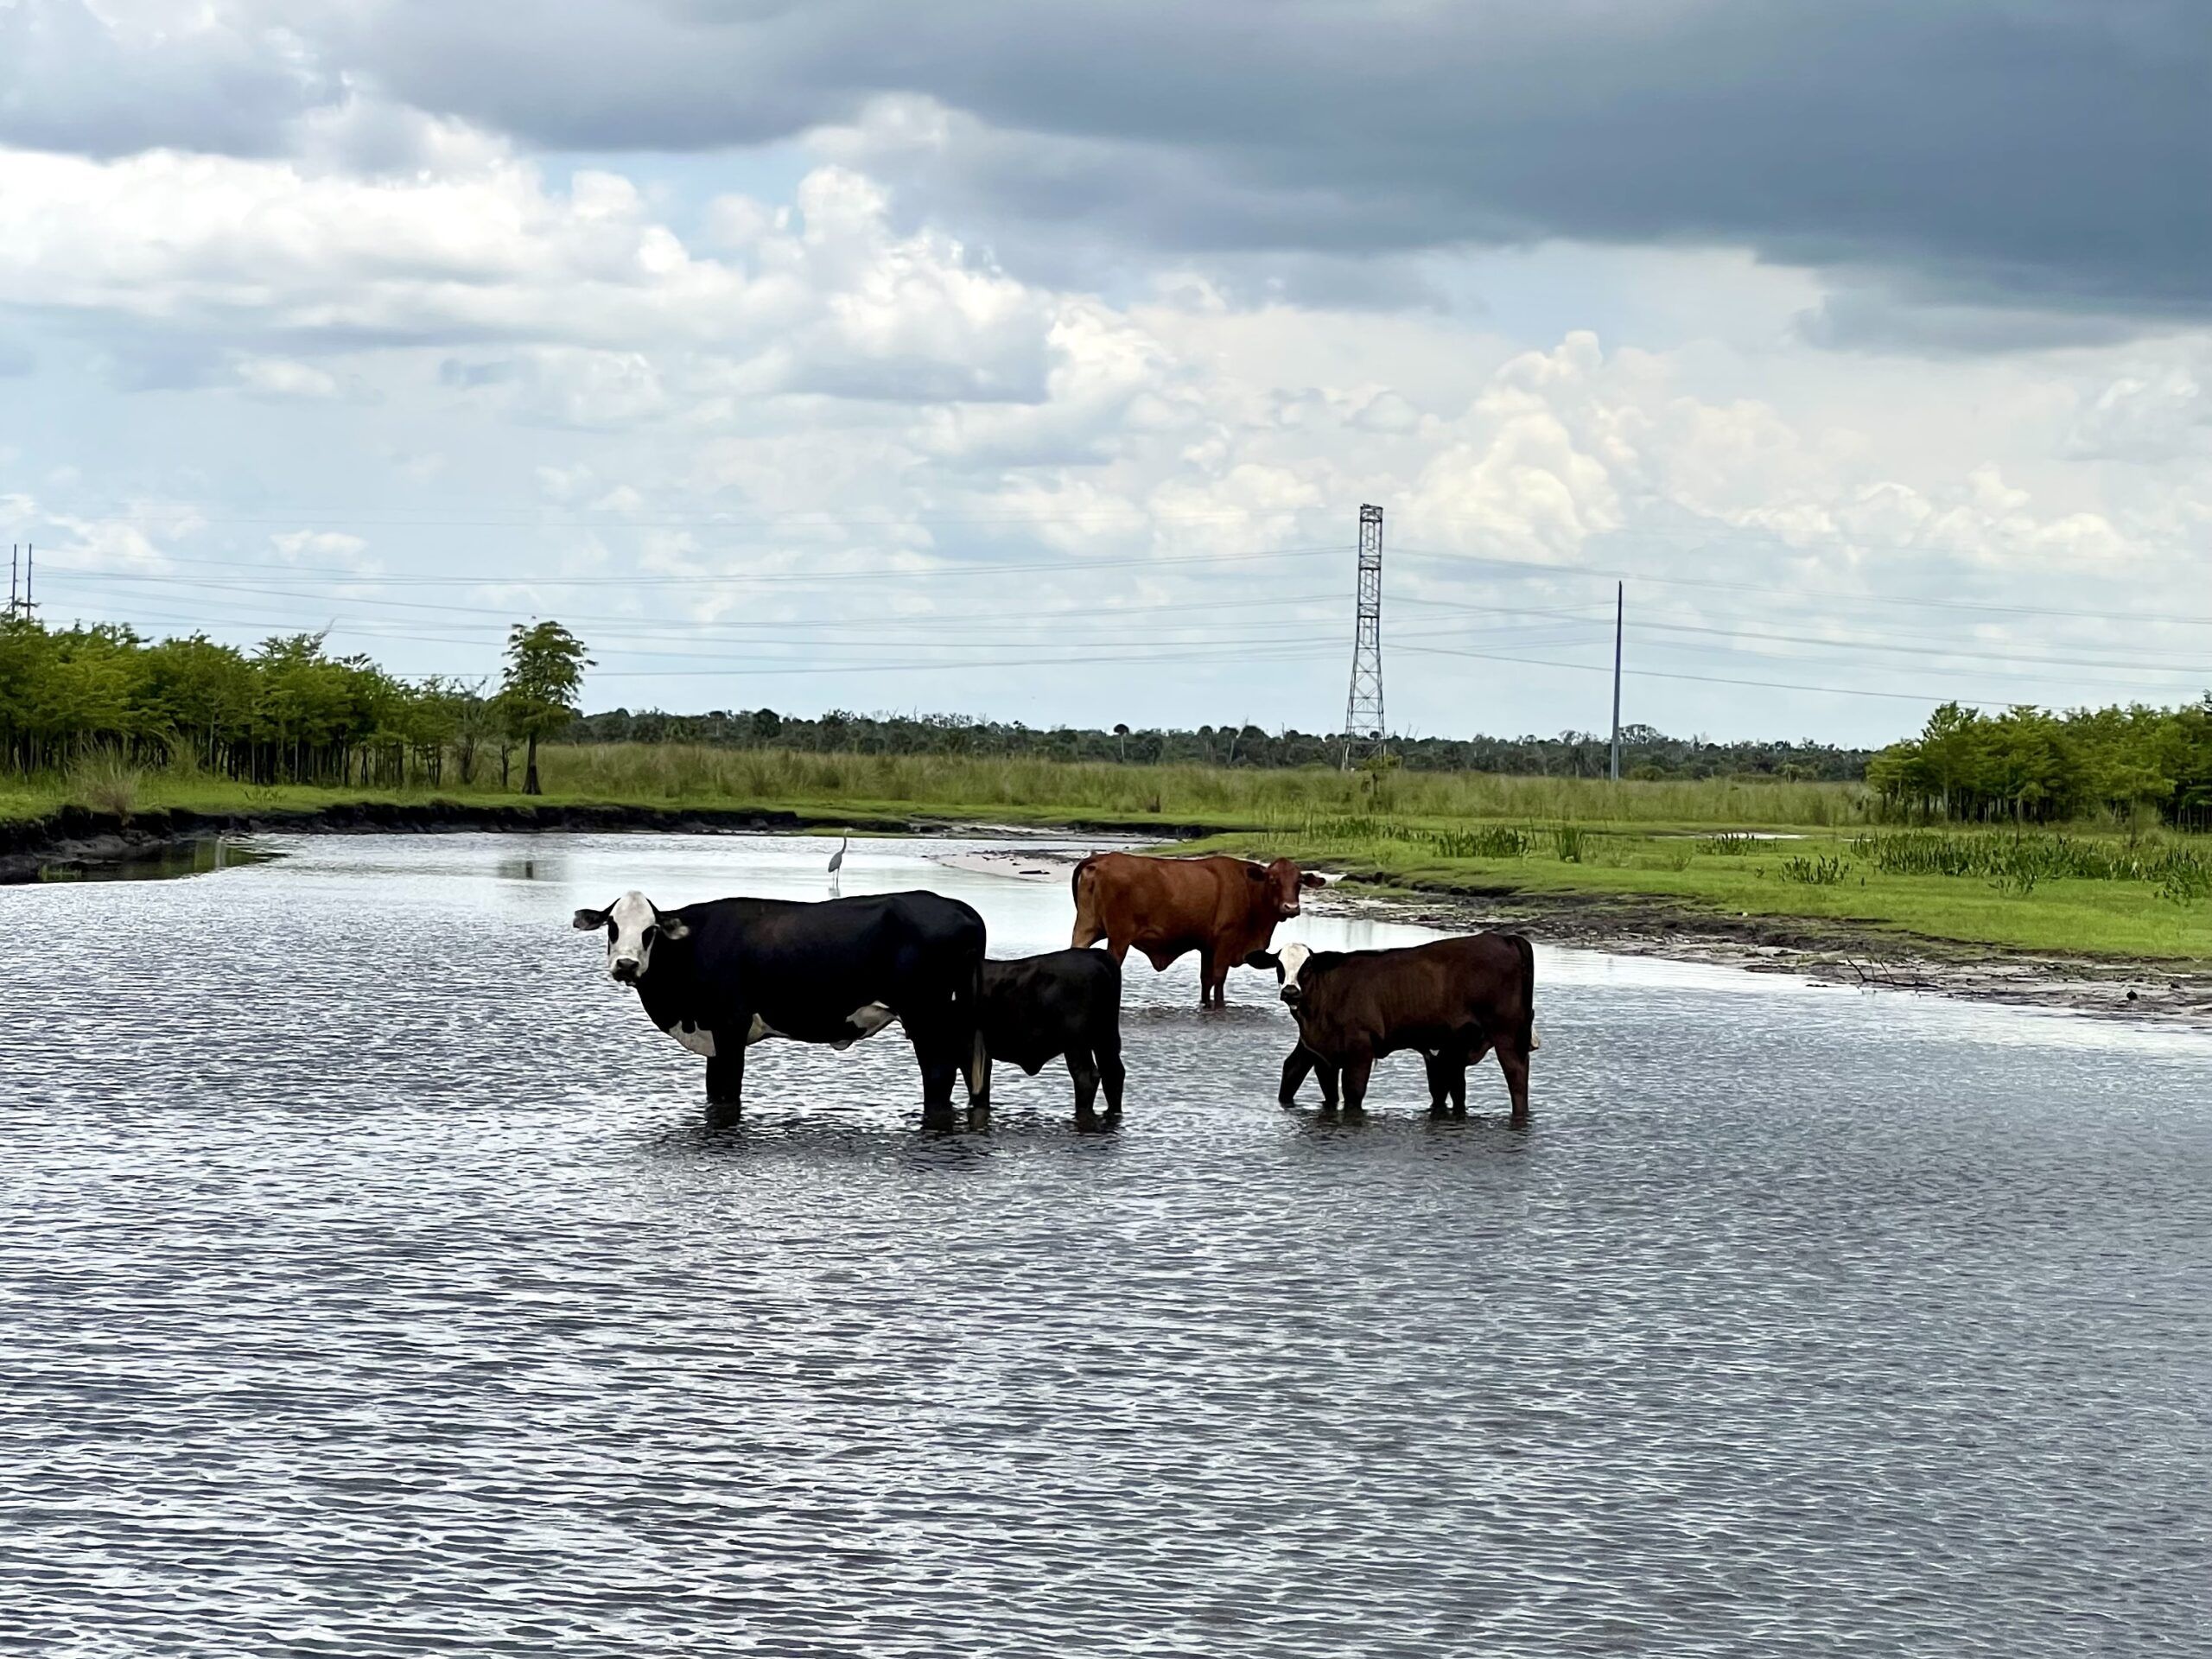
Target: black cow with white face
x=720 y=976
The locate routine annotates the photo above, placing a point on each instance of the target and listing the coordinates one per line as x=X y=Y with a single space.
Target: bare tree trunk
x=530 y=768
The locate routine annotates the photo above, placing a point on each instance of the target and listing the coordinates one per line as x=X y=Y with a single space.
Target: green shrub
x=1818 y=871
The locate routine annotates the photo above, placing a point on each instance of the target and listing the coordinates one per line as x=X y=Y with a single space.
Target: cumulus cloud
x=280 y=377
x=129 y=74
x=137 y=538
x=322 y=547
x=569 y=286
x=2153 y=413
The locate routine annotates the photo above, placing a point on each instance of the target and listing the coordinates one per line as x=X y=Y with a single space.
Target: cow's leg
x=939 y=1069
x=1107 y=1057
x=1119 y=947
x=940 y=1061
x=1356 y=1067
x=1327 y=1073
x=1437 y=1063
x=1083 y=1070
x=1213 y=979
x=1302 y=1059
x=1513 y=1060
x=726 y=1082
x=1478 y=1046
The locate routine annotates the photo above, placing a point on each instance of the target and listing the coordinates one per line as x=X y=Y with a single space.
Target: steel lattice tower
x=1363 y=727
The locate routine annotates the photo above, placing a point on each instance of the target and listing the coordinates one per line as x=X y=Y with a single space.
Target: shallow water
x=368 y=1286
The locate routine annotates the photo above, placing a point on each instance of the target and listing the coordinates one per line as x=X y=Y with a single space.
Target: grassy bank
x=2065 y=893
x=1693 y=846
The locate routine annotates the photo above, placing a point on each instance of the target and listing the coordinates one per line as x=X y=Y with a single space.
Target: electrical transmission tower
x=1363 y=726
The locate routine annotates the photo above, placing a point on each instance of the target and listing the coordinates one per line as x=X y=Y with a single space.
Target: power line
x=1537 y=568
x=1910 y=650
x=1772 y=685
x=1709 y=679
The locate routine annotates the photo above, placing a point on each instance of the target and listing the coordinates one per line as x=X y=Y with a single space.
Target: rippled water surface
x=368 y=1286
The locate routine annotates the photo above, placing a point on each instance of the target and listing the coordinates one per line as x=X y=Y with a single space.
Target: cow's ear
x=589 y=920
x=673 y=927
x=1310 y=879
x=1266 y=961
x=1256 y=872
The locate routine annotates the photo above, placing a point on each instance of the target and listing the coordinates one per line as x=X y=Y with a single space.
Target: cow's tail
x=978 y=1067
x=1082 y=888
x=1527 y=952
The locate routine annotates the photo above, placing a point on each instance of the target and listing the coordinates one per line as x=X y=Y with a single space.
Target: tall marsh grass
x=2019 y=863
x=106 y=782
x=1281 y=800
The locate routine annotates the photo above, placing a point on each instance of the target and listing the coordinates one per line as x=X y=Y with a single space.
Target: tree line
x=288 y=712
x=1646 y=753
x=2028 y=766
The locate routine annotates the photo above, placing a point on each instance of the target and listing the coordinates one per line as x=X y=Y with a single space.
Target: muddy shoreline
x=1836 y=953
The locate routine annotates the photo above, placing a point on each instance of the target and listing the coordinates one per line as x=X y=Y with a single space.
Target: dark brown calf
x=1454 y=1001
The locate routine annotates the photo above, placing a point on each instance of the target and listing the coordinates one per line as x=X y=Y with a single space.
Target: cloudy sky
x=1034 y=361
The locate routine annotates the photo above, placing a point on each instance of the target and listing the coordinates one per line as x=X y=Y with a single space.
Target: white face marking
x=629 y=950
x=697 y=1038
x=1294 y=961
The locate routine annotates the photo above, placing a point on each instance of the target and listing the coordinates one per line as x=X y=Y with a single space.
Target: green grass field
x=2092 y=889
x=2162 y=908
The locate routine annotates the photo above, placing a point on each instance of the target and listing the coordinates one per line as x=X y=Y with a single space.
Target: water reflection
x=203 y=856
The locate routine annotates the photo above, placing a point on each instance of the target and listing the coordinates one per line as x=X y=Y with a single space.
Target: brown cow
x=1454 y=1000
x=1223 y=908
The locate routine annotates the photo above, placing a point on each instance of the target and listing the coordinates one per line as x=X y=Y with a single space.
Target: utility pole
x=1364 y=725
x=1620 y=605
x=14 y=554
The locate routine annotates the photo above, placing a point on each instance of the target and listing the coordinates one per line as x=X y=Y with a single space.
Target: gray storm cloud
x=2043 y=157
